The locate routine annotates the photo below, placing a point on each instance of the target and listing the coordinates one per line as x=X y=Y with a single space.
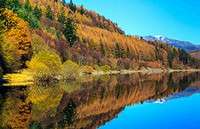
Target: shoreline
x=145 y=71
x=27 y=79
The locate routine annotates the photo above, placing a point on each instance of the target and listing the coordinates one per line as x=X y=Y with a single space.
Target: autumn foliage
x=81 y=36
x=16 y=40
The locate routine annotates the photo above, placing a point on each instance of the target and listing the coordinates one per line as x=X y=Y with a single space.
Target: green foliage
x=69 y=115
x=52 y=31
x=35 y=125
x=171 y=55
x=72 y=6
x=29 y=17
x=2 y=3
x=61 y=17
x=10 y=4
x=37 y=12
x=2 y=64
x=70 y=31
x=27 y=6
x=119 y=52
x=1 y=71
x=102 y=49
x=184 y=56
x=82 y=10
x=24 y=12
x=58 y=35
x=104 y=68
x=2 y=27
x=49 y=13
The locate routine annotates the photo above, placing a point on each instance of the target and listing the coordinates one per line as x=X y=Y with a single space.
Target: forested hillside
x=55 y=36
x=195 y=54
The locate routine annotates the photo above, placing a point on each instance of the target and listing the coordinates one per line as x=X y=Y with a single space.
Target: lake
x=137 y=101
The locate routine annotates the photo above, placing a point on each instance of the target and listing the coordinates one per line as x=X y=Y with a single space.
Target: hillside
x=195 y=54
x=185 y=45
x=48 y=35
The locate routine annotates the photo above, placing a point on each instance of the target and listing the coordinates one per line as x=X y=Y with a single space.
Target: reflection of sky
x=182 y=113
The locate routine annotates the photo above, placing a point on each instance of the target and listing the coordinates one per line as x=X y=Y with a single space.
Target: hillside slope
x=52 y=33
x=195 y=54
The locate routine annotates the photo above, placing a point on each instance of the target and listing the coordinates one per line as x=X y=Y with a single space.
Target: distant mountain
x=187 y=46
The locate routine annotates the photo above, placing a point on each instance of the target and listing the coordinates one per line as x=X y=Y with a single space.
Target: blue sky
x=178 y=19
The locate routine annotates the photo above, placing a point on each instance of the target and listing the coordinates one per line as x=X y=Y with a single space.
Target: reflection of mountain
x=92 y=105
x=185 y=93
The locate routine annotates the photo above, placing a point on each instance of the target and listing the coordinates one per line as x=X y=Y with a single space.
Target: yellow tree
x=17 y=35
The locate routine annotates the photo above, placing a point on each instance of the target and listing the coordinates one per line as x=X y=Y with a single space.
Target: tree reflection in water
x=87 y=104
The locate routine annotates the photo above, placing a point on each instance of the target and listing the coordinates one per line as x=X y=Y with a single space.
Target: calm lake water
x=138 y=101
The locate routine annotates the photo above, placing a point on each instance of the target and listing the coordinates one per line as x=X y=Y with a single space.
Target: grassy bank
x=27 y=78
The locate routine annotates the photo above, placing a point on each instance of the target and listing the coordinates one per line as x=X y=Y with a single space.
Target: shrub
x=45 y=65
x=38 y=44
x=70 y=70
x=105 y=68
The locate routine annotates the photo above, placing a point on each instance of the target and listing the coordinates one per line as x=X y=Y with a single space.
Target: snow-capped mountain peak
x=160 y=37
x=187 y=46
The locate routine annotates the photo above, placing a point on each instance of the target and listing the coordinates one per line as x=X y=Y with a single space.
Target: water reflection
x=88 y=104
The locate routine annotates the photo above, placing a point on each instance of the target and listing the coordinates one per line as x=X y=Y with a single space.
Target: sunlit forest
x=51 y=40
